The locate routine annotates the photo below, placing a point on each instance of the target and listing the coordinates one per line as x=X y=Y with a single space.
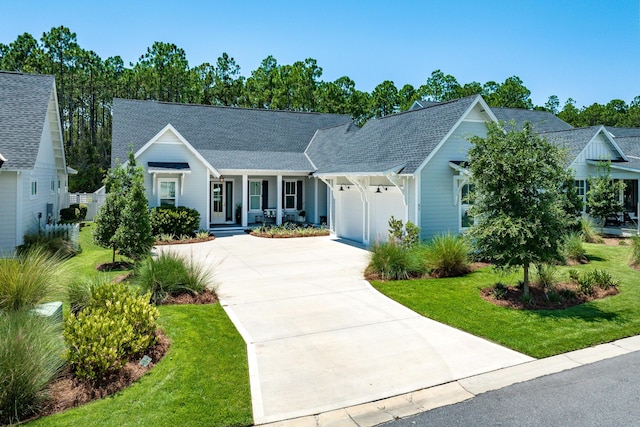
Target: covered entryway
x=221 y=202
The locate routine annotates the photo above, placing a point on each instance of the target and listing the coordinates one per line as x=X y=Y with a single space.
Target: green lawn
x=203 y=379
x=457 y=302
x=84 y=264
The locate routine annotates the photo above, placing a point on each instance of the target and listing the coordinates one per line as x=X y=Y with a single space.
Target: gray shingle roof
x=24 y=99
x=542 y=121
x=620 y=132
x=573 y=140
x=630 y=145
x=400 y=139
x=230 y=138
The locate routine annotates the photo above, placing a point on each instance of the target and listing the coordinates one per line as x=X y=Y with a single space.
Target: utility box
x=50 y=310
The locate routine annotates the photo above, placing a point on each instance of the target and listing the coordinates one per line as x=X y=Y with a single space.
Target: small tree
x=123 y=221
x=133 y=236
x=108 y=217
x=520 y=203
x=603 y=197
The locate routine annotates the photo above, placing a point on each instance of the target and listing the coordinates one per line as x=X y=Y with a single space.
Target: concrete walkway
x=320 y=338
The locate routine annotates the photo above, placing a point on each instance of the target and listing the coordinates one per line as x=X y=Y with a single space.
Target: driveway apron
x=319 y=337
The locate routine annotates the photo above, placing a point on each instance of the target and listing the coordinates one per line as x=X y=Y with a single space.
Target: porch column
x=279 y=200
x=245 y=199
x=316 y=213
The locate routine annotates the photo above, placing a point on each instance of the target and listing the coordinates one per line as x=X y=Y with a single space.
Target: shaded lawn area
x=202 y=380
x=457 y=302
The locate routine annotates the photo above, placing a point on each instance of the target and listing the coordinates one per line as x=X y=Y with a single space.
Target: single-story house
x=33 y=174
x=274 y=164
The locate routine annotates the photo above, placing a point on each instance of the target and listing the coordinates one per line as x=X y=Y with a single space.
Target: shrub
x=80 y=292
x=174 y=220
x=31 y=349
x=76 y=212
x=391 y=261
x=202 y=234
x=588 y=281
x=499 y=290
x=81 y=212
x=447 y=255
x=28 y=280
x=588 y=231
x=53 y=245
x=635 y=250
x=572 y=248
x=406 y=236
x=547 y=275
x=171 y=274
x=117 y=324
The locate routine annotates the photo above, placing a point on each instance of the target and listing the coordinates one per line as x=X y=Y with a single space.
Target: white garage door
x=349 y=214
x=383 y=205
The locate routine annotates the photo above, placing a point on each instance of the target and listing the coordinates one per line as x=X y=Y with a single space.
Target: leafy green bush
x=80 y=292
x=31 y=349
x=572 y=248
x=76 y=212
x=447 y=255
x=635 y=250
x=171 y=274
x=117 y=324
x=174 y=220
x=81 y=212
x=289 y=229
x=32 y=278
x=405 y=235
x=391 y=261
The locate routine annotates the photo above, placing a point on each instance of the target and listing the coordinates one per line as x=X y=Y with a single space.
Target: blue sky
x=585 y=49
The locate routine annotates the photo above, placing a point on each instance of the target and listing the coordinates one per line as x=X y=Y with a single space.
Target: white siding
x=438 y=213
x=43 y=173
x=196 y=184
x=8 y=183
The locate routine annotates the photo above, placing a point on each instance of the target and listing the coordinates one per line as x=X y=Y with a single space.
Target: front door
x=217 y=203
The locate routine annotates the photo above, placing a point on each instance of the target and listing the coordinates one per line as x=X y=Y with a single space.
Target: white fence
x=70 y=232
x=92 y=200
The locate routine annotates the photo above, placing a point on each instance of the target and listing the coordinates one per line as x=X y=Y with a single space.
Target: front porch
x=247 y=200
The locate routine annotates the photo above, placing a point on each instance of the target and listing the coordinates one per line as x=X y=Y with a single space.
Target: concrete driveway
x=319 y=337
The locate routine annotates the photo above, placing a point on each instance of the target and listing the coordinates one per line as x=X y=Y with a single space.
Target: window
x=255 y=195
x=290 y=195
x=167 y=196
x=52 y=185
x=581 y=191
x=466 y=201
x=34 y=189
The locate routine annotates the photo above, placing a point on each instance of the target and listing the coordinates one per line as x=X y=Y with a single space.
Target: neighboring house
x=410 y=165
x=33 y=175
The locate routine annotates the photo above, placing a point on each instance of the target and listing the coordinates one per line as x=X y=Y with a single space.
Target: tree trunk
x=525 y=286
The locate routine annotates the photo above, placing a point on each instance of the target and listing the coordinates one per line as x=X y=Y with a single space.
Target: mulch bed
x=286 y=236
x=539 y=299
x=68 y=391
x=115 y=266
x=184 y=241
x=206 y=297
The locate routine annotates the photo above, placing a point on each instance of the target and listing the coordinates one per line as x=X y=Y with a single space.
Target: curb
x=405 y=405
